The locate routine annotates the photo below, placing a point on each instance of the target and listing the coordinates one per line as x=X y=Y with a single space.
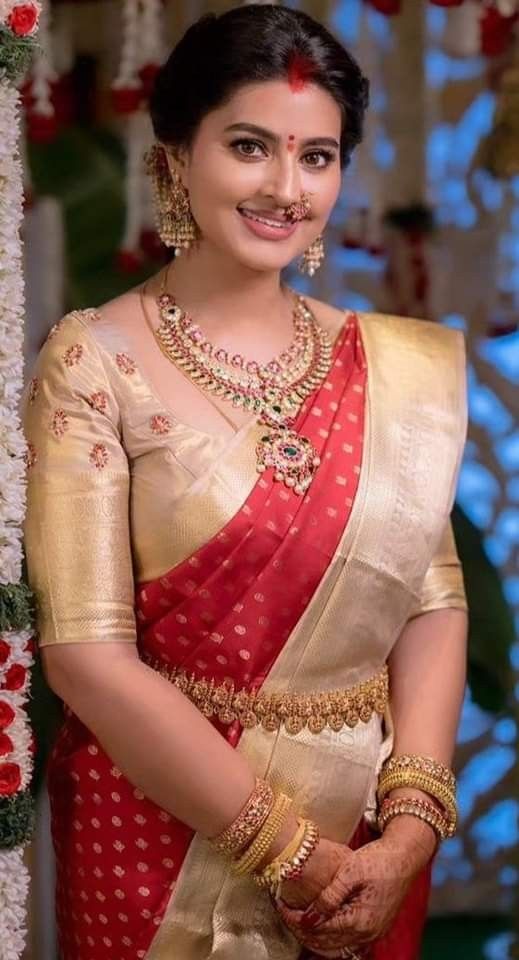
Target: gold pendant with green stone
x=293 y=458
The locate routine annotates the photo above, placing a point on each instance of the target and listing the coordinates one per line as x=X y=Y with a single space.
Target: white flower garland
x=13 y=895
x=12 y=443
x=14 y=877
x=128 y=75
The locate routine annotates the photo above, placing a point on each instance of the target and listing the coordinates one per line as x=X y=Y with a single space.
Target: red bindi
x=300 y=71
x=291 y=142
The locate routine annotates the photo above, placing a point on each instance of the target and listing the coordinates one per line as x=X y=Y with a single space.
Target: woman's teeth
x=280 y=224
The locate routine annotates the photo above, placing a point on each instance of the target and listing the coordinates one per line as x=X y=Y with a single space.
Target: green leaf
x=491 y=624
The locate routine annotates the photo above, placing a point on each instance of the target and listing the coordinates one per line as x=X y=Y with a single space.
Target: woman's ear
x=177 y=163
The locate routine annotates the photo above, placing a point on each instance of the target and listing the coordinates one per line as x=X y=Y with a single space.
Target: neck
x=219 y=291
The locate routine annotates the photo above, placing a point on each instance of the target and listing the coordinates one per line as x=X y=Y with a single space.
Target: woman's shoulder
x=415 y=332
x=414 y=329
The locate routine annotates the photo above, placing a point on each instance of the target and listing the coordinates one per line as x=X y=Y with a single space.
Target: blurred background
x=427 y=226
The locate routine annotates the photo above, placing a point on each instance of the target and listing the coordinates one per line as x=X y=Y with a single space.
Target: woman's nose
x=284 y=184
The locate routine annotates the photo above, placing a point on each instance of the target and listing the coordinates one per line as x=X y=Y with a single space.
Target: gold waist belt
x=294 y=711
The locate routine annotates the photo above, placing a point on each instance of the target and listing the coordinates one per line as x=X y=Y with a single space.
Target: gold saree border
x=365 y=596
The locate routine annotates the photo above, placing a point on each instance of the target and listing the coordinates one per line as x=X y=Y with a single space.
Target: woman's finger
x=345 y=884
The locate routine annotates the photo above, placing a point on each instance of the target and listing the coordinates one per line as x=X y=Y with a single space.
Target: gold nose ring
x=299 y=209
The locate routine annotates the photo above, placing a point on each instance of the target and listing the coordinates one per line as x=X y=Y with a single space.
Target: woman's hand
x=317 y=874
x=364 y=897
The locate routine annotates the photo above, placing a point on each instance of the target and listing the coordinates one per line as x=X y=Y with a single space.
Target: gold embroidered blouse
x=119 y=490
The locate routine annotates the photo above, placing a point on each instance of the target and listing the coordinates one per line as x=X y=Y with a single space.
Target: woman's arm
x=153 y=733
x=427 y=671
x=427 y=675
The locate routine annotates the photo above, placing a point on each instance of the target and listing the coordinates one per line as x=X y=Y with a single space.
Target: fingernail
x=311 y=919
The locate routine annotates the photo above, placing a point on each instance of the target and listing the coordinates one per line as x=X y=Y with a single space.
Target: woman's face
x=254 y=156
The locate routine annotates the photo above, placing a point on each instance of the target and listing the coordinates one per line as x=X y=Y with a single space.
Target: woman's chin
x=263 y=261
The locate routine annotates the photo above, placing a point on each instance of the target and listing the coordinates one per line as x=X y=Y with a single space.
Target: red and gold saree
x=275 y=614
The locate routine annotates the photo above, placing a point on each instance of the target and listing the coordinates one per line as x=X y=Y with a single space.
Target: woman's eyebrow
x=268 y=135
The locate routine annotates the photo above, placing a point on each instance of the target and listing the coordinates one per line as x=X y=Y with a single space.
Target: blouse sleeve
x=443 y=585
x=77 y=524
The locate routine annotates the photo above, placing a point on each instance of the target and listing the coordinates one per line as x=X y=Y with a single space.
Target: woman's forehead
x=276 y=106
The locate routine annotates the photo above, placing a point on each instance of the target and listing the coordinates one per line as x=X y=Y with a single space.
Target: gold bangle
x=418 y=808
x=429 y=785
x=246 y=825
x=290 y=862
x=425 y=765
x=409 y=779
x=266 y=836
x=289 y=851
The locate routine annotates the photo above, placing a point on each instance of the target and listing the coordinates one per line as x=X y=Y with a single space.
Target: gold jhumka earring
x=312 y=257
x=175 y=222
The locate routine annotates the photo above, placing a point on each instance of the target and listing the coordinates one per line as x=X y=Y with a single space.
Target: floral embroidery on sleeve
x=59 y=423
x=99 y=456
x=34 y=389
x=125 y=363
x=98 y=401
x=73 y=354
x=54 y=329
x=30 y=456
x=160 y=424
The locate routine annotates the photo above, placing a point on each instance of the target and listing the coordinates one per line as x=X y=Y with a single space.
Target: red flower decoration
x=5 y=651
x=128 y=261
x=389 y=7
x=10 y=779
x=15 y=677
x=42 y=127
x=147 y=76
x=6 y=745
x=126 y=99
x=496 y=32
x=23 y=19
x=7 y=715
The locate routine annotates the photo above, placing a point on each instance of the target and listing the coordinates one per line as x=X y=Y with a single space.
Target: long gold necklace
x=274 y=391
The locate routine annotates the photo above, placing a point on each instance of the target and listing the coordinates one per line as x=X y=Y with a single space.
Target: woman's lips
x=269 y=228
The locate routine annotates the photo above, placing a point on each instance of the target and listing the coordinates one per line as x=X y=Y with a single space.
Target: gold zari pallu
x=293 y=711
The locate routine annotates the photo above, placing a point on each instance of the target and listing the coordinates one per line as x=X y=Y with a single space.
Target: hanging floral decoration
x=497 y=19
x=18 y=26
x=407 y=271
x=141 y=56
x=38 y=92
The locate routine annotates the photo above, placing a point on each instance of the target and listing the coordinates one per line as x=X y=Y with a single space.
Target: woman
x=232 y=552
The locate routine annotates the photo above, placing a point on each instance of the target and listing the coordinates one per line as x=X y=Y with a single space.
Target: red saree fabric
x=225 y=613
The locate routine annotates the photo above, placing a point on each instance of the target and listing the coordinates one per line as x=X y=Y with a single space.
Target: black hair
x=249 y=44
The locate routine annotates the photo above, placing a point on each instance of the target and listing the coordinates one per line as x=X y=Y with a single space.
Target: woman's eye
x=248 y=148
x=319 y=158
